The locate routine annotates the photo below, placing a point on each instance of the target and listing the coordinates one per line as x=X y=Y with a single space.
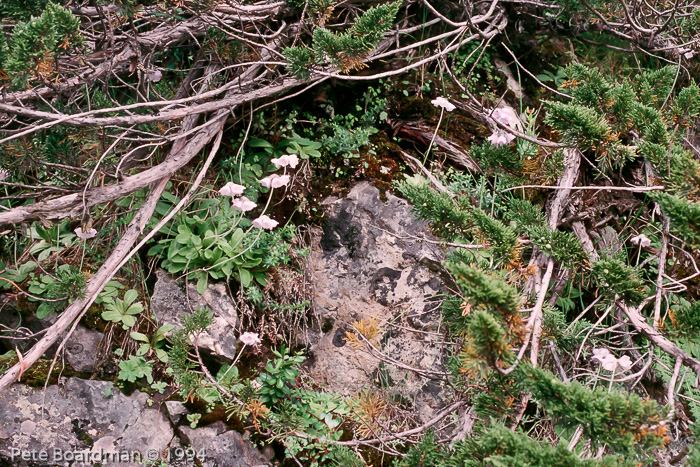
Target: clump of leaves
x=155 y=343
x=67 y=284
x=214 y=246
x=345 y=51
x=136 y=368
x=188 y=381
x=279 y=376
x=371 y=411
x=36 y=43
x=123 y=311
x=448 y=216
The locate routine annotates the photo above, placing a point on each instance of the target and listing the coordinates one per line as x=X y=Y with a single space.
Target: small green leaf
x=260 y=278
x=130 y=296
x=143 y=350
x=202 y=282
x=128 y=321
x=137 y=336
x=245 y=277
x=112 y=315
x=162 y=355
x=134 y=309
x=44 y=310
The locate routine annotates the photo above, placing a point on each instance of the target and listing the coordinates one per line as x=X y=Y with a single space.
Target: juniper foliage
x=496 y=445
x=622 y=420
x=617 y=279
x=345 y=51
x=448 y=216
x=37 y=43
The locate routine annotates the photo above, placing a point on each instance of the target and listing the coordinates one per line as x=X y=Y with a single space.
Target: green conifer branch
x=616 y=418
x=346 y=51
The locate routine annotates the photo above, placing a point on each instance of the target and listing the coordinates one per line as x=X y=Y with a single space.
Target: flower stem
x=442 y=112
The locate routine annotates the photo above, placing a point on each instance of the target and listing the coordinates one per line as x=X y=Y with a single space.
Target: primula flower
x=500 y=137
x=250 y=338
x=609 y=362
x=155 y=76
x=624 y=362
x=264 y=222
x=641 y=240
x=605 y=359
x=275 y=181
x=290 y=160
x=444 y=103
x=243 y=204
x=232 y=189
x=85 y=235
x=507 y=117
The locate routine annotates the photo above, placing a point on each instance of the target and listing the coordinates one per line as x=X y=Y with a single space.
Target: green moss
x=36 y=375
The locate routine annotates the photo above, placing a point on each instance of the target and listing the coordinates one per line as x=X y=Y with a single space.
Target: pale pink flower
x=243 y=204
x=500 y=137
x=443 y=103
x=609 y=362
x=624 y=362
x=605 y=359
x=85 y=235
x=232 y=189
x=290 y=160
x=641 y=240
x=264 y=222
x=155 y=76
x=506 y=116
x=250 y=338
x=275 y=181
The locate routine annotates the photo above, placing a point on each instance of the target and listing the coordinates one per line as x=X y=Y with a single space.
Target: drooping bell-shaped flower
x=443 y=103
x=288 y=160
x=250 y=338
x=243 y=204
x=275 y=181
x=264 y=222
x=85 y=235
x=232 y=189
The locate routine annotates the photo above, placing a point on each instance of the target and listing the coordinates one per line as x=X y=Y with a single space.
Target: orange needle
x=22 y=364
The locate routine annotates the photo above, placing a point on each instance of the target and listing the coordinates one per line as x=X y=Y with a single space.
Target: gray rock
x=176 y=410
x=78 y=421
x=81 y=349
x=170 y=303
x=372 y=260
x=216 y=447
